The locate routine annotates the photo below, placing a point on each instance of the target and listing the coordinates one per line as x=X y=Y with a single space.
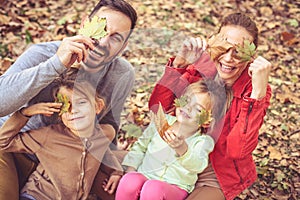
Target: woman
x=231 y=168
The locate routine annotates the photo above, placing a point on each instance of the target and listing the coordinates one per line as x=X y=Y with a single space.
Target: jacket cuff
x=254 y=102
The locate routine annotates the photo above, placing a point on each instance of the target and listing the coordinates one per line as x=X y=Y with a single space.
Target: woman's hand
x=190 y=52
x=259 y=70
x=112 y=183
x=177 y=142
x=46 y=109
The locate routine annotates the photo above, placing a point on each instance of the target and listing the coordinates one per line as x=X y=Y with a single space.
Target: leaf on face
x=204 y=117
x=217 y=45
x=160 y=121
x=60 y=98
x=94 y=28
x=181 y=101
x=246 y=51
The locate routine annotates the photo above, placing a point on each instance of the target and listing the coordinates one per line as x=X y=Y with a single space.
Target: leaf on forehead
x=94 y=28
x=181 y=101
x=60 y=98
x=217 y=45
x=246 y=51
x=160 y=121
x=204 y=117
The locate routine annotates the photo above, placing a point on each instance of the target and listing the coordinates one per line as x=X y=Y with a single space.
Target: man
x=29 y=79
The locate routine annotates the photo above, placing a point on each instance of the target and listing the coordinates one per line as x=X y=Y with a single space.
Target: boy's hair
x=120 y=6
x=217 y=94
x=71 y=79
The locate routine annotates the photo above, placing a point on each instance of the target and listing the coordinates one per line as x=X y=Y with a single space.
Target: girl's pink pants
x=134 y=185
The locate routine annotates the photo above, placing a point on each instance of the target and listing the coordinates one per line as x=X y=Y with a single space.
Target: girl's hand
x=46 y=109
x=177 y=142
x=110 y=185
x=190 y=52
x=259 y=70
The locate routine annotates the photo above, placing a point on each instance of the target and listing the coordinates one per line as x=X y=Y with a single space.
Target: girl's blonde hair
x=217 y=94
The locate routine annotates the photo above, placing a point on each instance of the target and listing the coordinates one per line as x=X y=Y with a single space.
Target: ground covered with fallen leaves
x=161 y=28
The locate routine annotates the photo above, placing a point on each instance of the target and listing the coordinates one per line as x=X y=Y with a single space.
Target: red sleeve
x=175 y=80
x=243 y=138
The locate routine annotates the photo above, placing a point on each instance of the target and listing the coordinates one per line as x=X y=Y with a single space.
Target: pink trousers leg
x=130 y=186
x=160 y=190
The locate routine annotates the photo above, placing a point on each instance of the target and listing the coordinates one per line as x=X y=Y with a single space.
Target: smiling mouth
x=75 y=118
x=97 y=53
x=227 y=69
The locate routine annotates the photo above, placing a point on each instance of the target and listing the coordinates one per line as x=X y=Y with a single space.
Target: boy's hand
x=46 y=109
x=111 y=185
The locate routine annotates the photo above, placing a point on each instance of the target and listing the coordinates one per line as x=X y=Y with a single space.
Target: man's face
x=118 y=28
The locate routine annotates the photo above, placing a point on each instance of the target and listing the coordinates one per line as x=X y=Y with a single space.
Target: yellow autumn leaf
x=94 y=28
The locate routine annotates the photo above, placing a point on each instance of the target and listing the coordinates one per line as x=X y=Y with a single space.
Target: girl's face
x=80 y=118
x=230 y=67
x=188 y=115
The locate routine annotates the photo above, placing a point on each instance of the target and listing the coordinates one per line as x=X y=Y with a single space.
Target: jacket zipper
x=237 y=171
x=247 y=116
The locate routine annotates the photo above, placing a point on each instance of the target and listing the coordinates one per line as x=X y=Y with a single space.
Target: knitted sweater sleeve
x=36 y=68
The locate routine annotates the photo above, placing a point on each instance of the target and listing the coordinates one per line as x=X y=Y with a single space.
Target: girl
x=166 y=167
x=232 y=167
x=70 y=152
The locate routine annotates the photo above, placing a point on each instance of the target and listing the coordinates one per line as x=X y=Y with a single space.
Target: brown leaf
x=217 y=45
x=160 y=121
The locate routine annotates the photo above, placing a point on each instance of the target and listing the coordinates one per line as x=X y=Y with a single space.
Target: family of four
x=60 y=115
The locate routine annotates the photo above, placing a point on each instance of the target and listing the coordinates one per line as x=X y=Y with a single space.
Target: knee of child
x=153 y=189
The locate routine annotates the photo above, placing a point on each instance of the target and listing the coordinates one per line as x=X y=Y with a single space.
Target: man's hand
x=46 y=109
x=259 y=70
x=111 y=185
x=74 y=48
x=190 y=52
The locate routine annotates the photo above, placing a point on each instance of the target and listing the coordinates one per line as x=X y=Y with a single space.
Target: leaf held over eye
x=246 y=51
x=160 y=121
x=204 y=117
x=217 y=45
x=60 y=98
x=180 y=102
x=94 y=28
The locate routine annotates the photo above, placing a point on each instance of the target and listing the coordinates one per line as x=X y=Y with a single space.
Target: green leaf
x=132 y=130
x=246 y=51
x=180 y=102
x=293 y=22
x=60 y=98
x=94 y=28
x=204 y=117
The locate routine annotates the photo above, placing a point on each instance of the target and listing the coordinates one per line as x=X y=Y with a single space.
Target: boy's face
x=188 y=114
x=118 y=28
x=80 y=118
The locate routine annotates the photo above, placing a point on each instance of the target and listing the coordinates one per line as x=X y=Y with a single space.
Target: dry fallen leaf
x=217 y=45
x=160 y=121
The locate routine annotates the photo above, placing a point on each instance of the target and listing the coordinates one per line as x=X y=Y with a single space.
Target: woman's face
x=230 y=67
